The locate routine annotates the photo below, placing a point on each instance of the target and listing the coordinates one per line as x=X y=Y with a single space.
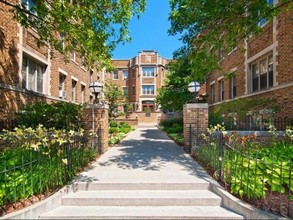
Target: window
x=125 y=91
x=62 y=41
x=232 y=87
x=91 y=75
x=221 y=90
x=133 y=90
x=148 y=71
x=262 y=74
x=148 y=89
x=115 y=74
x=62 y=78
x=82 y=94
x=73 y=90
x=83 y=63
x=212 y=91
x=32 y=75
x=125 y=74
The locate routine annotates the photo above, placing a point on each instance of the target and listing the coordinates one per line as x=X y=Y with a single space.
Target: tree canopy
x=114 y=97
x=92 y=28
x=212 y=25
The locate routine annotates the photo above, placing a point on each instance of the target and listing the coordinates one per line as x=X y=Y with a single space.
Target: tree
x=210 y=26
x=92 y=28
x=114 y=97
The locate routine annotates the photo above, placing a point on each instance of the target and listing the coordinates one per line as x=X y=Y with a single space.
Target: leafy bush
x=175 y=129
x=113 y=124
x=170 y=122
x=178 y=138
x=113 y=130
x=59 y=115
x=37 y=162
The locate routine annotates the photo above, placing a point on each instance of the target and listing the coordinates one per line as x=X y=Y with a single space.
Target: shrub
x=59 y=115
x=170 y=122
x=177 y=128
x=125 y=130
x=113 y=124
x=113 y=130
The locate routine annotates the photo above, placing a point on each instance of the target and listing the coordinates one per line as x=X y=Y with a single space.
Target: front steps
x=141 y=201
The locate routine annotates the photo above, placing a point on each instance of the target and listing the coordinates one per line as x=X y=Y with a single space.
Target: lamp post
x=96 y=87
x=194 y=87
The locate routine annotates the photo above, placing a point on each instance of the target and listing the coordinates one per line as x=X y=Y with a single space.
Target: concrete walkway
x=146 y=176
x=145 y=155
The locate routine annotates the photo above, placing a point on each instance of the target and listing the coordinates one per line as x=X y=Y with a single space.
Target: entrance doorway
x=148 y=106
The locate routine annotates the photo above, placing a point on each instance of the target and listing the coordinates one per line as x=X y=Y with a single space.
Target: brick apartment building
x=264 y=70
x=29 y=73
x=140 y=78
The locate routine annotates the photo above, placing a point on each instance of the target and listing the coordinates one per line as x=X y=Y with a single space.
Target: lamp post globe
x=95 y=88
x=194 y=87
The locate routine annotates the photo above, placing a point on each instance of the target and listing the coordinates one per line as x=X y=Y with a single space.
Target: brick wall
x=8 y=47
x=100 y=120
x=16 y=42
x=196 y=116
x=276 y=38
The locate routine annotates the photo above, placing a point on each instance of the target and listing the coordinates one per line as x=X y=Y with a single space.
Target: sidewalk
x=146 y=155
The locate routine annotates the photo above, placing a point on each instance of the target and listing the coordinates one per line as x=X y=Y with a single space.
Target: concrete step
x=142 y=198
x=82 y=186
x=140 y=212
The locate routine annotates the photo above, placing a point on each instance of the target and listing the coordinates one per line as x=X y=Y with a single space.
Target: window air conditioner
x=62 y=94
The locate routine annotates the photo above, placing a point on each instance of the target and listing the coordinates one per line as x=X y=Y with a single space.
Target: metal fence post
x=69 y=165
x=221 y=145
x=190 y=139
x=100 y=140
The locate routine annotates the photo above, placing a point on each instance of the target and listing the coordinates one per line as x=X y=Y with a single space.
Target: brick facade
x=19 y=52
x=141 y=101
x=195 y=117
x=273 y=47
x=96 y=117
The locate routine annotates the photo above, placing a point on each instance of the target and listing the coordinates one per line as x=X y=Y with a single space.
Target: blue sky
x=149 y=32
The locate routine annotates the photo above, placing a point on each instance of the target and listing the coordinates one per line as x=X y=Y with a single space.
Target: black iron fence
x=259 y=175
x=7 y=124
x=35 y=166
x=260 y=123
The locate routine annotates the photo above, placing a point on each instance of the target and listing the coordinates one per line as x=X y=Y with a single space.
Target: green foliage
x=170 y=122
x=248 y=168
x=36 y=162
x=215 y=118
x=175 y=129
x=59 y=115
x=178 y=138
x=113 y=124
x=114 y=97
x=240 y=107
x=196 y=22
x=91 y=28
x=118 y=131
x=117 y=138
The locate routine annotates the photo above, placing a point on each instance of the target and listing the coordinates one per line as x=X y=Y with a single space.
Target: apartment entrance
x=148 y=106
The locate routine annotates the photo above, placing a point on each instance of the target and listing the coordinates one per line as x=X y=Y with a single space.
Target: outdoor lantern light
x=194 y=87
x=96 y=88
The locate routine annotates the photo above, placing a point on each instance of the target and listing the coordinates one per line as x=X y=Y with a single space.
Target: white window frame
x=125 y=77
x=28 y=63
x=73 y=89
x=82 y=92
x=148 y=74
x=114 y=75
x=221 y=90
x=148 y=91
x=256 y=71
